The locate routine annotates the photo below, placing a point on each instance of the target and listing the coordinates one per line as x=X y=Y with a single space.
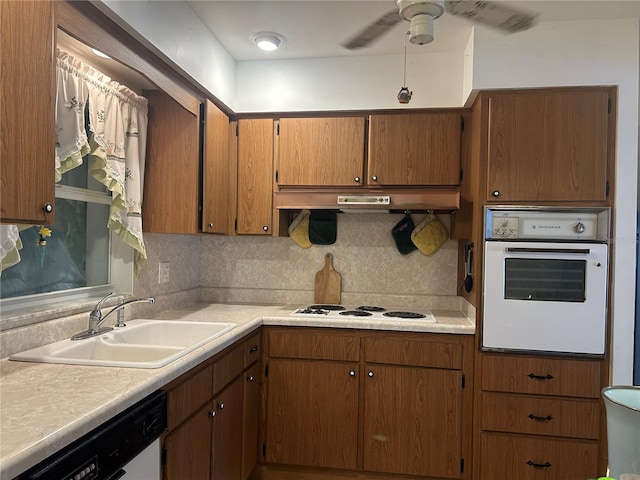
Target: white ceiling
x=316 y=28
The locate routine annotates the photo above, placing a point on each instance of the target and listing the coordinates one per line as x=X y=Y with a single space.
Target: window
x=81 y=257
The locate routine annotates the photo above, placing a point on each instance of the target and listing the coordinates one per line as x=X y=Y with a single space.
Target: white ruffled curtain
x=116 y=147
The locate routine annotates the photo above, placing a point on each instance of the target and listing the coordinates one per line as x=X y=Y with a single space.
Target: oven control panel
x=546 y=224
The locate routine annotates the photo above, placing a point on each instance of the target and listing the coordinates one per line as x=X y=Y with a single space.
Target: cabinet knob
x=253 y=349
x=212 y=413
x=356 y=179
x=352 y=373
x=374 y=178
x=265 y=228
x=496 y=193
x=250 y=378
x=370 y=374
x=210 y=224
x=47 y=208
x=220 y=406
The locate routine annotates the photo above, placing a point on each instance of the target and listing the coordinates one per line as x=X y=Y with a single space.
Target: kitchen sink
x=141 y=344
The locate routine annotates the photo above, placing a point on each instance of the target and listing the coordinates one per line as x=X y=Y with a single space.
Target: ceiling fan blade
x=373 y=31
x=493 y=14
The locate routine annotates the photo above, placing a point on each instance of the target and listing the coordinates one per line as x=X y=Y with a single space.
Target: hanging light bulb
x=404 y=95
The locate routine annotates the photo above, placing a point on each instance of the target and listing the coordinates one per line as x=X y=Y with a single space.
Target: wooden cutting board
x=328 y=283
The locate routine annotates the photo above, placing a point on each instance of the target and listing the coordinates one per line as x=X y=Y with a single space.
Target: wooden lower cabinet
x=213 y=417
x=312 y=413
x=412 y=421
x=540 y=418
x=367 y=404
x=537 y=458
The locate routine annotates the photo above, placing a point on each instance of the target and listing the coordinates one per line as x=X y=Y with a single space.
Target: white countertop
x=44 y=407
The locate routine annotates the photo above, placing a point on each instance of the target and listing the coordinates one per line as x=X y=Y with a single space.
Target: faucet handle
x=95 y=313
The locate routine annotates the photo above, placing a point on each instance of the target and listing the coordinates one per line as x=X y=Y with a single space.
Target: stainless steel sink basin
x=141 y=344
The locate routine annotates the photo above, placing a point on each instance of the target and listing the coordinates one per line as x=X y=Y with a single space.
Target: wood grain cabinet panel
x=218 y=173
x=27 y=143
x=172 y=168
x=184 y=399
x=252 y=349
x=414 y=149
x=541 y=415
x=321 y=151
x=548 y=146
x=228 y=367
x=226 y=463
x=250 y=420
x=544 y=376
x=312 y=413
x=419 y=353
x=532 y=458
x=412 y=421
x=255 y=181
x=188 y=448
x=314 y=344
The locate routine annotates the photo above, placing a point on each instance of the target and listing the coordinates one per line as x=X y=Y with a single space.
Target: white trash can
x=622 y=405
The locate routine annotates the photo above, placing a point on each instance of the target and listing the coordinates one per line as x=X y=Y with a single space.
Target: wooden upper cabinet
x=255 y=181
x=321 y=151
x=172 y=168
x=27 y=143
x=546 y=146
x=218 y=172
x=414 y=149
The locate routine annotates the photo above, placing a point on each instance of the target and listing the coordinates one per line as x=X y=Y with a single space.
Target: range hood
x=441 y=199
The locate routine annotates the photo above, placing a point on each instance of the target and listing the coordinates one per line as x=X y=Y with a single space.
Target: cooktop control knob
x=579 y=227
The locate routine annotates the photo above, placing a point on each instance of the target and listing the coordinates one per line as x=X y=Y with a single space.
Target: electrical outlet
x=163 y=272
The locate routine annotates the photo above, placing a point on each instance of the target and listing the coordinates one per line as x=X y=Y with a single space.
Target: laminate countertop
x=44 y=407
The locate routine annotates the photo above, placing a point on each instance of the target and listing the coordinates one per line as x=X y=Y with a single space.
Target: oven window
x=545 y=280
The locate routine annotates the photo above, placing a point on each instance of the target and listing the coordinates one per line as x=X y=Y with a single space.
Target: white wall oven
x=546 y=280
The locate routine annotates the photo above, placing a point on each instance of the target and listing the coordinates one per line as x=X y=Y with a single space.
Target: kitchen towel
x=299 y=229
x=429 y=235
x=401 y=234
x=323 y=227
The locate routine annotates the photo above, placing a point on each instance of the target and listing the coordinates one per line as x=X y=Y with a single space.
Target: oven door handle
x=582 y=251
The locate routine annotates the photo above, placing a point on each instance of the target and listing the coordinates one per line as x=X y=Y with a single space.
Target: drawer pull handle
x=253 y=349
x=538 y=465
x=540 y=377
x=541 y=419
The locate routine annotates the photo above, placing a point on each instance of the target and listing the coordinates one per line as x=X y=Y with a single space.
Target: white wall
x=346 y=83
x=175 y=30
x=584 y=53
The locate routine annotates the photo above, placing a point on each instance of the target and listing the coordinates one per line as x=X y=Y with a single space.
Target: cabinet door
x=312 y=413
x=321 y=151
x=414 y=149
x=412 y=421
x=218 y=173
x=226 y=446
x=250 y=420
x=188 y=448
x=172 y=168
x=27 y=148
x=255 y=169
x=548 y=147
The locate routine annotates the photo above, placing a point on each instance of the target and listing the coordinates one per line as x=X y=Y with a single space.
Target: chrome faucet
x=96 y=319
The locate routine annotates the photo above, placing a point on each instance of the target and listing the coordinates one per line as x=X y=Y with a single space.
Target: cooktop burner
x=355 y=313
x=404 y=315
x=364 y=311
x=370 y=308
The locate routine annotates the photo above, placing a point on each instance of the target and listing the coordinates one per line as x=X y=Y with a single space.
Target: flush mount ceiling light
x=268 y=40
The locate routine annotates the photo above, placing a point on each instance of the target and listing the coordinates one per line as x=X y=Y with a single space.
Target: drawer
x=531 y=458
x=314 y=344
x=541 y=416
x=417 y=353
x=190 y=395
x=252 y=349
x=228 y=367
x=545 y=376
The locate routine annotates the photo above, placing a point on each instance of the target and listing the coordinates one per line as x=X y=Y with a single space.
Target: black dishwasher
x=101 y=453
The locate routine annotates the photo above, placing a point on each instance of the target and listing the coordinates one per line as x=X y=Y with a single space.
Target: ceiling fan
x=422 y=13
